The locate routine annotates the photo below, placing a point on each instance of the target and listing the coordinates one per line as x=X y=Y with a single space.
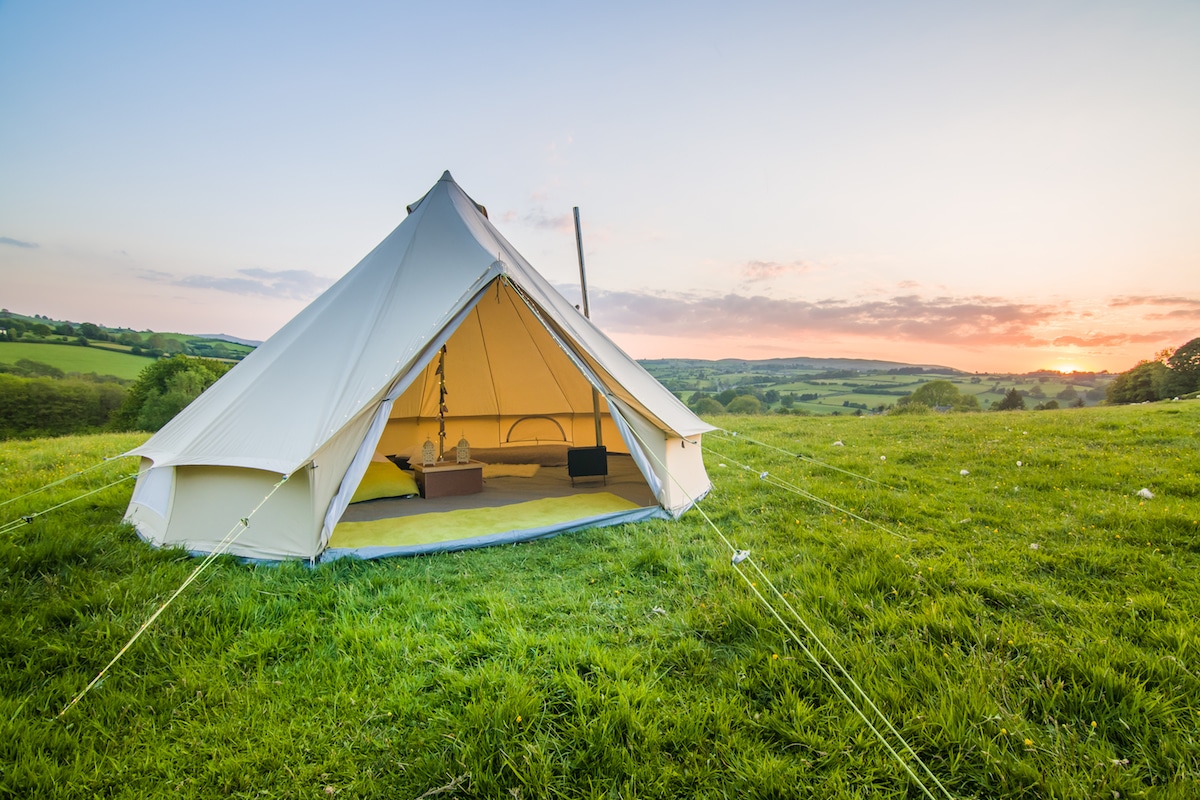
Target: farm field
x=69 y=358
x=992 y=581
x=840 y=386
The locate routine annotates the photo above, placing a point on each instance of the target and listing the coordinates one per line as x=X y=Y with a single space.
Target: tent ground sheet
x=507 y=503
x=472 y=523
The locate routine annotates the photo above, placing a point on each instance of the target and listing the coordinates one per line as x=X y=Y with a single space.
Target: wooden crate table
x=448 y=478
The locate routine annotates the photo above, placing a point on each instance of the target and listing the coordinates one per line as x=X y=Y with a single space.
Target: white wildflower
x=1145 y=493
x=964 y=472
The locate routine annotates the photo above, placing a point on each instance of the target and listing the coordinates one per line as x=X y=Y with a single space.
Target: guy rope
x=738 y=558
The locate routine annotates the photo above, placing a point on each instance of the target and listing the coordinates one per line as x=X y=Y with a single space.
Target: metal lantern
x=428 y=455
x=464 y=451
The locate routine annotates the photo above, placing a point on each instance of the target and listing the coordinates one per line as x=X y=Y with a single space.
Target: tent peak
x=446 y=178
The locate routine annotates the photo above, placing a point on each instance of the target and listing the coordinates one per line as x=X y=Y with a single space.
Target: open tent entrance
x=512 y=385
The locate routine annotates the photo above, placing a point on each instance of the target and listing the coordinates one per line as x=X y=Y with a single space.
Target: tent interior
x=505 y=384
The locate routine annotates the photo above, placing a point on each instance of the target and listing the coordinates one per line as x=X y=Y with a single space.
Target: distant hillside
x=225 y=337
x=38 y=329
x=854 y=385
x=801 y=363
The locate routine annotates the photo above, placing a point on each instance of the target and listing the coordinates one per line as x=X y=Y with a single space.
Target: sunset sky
x=1005 y=186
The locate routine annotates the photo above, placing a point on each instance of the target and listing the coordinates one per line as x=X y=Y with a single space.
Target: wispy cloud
x=538 y=218
x=1141 y=300
x=1181 y=308
x=1106 y=339
x=945 y=320
x=11 y=242
x=288 y=284
x=754 y=271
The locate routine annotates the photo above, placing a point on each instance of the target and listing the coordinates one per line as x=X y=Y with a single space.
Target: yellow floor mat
x=468 y=523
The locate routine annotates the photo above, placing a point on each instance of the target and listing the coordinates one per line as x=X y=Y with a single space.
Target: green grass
x=634 y=661
x=70 y=358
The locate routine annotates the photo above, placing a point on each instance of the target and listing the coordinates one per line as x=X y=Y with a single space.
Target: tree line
x=1172 y=373
x=40 y=400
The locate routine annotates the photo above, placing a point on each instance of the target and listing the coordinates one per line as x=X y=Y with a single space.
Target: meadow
x=992 y=581
x=70 y=358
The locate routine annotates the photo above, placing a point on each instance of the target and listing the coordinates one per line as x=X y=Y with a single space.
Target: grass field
x=1030 y=629
x=70 y=358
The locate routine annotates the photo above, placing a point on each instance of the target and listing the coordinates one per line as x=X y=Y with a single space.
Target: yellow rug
x=468 y=523
x=510 y=470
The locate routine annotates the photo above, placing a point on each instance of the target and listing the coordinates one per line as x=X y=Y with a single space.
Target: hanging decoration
x=441 y=373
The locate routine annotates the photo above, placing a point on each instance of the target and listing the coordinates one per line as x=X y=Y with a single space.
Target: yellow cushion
x=384 y=480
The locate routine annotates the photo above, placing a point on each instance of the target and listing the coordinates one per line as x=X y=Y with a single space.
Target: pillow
x=384 y=480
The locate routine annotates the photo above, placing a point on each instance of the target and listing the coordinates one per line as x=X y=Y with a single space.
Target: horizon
x=223 y=336
x=1006 y=189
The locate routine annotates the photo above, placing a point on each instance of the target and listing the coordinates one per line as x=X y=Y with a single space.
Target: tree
x=726 y=397
x=744 y=404
x=967 y=402
x=181 y=388
x=162 y=390
x=1068 y=395
x=1147 y=381
x=1013 y=401
x=940 y=393
x=707 y=405
x=935 y=393
x=1184 y=364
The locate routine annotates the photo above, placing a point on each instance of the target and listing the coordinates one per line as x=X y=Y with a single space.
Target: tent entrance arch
x=503 y=372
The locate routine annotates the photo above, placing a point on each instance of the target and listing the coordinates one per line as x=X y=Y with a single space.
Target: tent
x=442 y=333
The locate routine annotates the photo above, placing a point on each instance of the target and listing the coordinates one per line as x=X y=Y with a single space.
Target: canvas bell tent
x=443 y=333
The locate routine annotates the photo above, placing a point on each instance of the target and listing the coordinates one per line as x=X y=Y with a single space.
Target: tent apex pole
x=582 y=275
x=588 y=314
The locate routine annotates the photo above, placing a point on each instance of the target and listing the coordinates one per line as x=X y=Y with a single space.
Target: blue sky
x=993 y=187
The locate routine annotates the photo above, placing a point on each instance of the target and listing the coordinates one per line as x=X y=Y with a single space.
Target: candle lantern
x=464 y=451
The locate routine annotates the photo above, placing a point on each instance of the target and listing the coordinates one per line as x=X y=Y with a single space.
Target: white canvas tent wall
x=315 y=400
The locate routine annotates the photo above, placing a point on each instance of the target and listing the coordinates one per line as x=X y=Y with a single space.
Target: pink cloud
x=974 y=320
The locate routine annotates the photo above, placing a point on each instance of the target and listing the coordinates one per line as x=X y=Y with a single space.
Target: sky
x=988 y=186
